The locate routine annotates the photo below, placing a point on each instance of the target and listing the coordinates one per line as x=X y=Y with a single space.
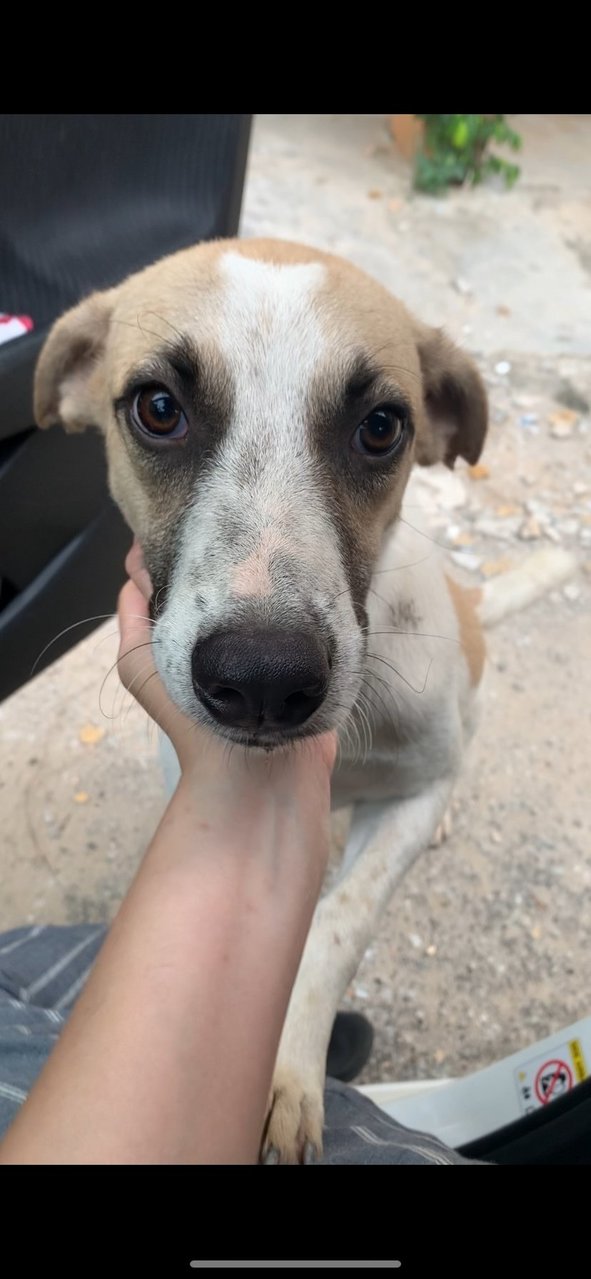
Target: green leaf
x=456 y=150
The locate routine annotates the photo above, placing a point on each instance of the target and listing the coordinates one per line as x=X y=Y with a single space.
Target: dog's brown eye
x=156 y=412
x=380 y=433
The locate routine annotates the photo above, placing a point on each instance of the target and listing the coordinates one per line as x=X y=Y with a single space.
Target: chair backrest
x=84 y=201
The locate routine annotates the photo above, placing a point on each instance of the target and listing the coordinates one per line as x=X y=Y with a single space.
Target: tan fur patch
x=465 y=603
x=252 y=576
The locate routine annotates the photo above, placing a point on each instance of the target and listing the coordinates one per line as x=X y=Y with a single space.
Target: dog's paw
x=444 y=830
x=293 y=1131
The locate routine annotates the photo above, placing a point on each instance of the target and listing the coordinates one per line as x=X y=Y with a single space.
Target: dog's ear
x=455 y=401
x=68 y=378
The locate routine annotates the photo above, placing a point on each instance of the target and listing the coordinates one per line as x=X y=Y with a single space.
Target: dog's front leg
x=385 y=838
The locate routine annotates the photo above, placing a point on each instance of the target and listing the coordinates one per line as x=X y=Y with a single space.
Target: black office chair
x=84 y=201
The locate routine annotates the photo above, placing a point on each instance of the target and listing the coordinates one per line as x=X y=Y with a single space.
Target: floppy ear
x=455 y=401
x=68 y=377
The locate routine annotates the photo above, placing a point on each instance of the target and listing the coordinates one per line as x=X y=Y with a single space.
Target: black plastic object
x=84 y=201
x=350 y=1046
x=559 y=1133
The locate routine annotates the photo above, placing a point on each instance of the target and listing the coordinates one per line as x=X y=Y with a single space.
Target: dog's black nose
x=260 y=678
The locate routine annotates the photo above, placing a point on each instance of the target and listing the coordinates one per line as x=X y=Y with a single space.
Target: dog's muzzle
x=261 y=681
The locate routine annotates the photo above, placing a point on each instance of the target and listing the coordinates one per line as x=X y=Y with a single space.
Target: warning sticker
x=544 y=1079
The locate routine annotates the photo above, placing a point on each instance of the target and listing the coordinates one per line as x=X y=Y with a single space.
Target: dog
x=262 y=405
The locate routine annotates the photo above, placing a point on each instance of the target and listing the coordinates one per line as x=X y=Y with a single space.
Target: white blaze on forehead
x=271 y=336
x=270 y=331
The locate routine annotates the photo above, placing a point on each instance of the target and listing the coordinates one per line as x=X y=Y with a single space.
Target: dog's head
x=262 y=405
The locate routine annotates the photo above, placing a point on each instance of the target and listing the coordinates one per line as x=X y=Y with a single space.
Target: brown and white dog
x=262 y=405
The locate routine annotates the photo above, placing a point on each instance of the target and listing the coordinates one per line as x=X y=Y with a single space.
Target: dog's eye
x=380 y=433
x=156 y=412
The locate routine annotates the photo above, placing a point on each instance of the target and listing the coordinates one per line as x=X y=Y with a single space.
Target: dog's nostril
x=230 y=698
x=313 y=690
x=298 y=707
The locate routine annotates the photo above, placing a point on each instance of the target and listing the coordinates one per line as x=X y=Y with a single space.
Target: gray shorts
x=43 y=970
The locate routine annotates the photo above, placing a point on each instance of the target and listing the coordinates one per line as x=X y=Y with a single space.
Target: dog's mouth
x=269 y=742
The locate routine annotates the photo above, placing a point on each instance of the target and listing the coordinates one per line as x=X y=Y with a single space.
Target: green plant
x=456 y=150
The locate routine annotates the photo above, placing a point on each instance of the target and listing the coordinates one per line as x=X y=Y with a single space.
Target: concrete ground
x=486 y=946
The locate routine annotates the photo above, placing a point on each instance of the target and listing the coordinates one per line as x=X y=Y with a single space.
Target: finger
x=327 y=744
x=134 y=633
x=136 y=568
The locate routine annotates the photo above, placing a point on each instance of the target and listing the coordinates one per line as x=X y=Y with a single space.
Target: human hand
x=288 y=790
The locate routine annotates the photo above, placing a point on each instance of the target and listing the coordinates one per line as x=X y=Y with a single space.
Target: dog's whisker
x=367 y=733
x=164 y=320
x=152 y=675
x=359 y=711
x=397 y=568
x=421 y=533
x=451 y=639
x=100 y=617
x=376 y=693
x=128 y=688
x=376 y=657
x=128 y=652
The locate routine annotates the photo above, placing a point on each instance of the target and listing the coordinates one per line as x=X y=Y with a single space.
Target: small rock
x=81 y=797
x=536 y=932
x=462 y=286
x=464 y=560
x=503 y=531
x=530 y=530
x=571 y=592
x=579 y=488
x=415 y=940
x=573 y=398
x=503 y=368
x=374 y=194
x=395 y=205
x=492 y=568
x=89 y=735
x=431 y=950
x=496 y=837
x=503 y=310
x=463 y=539
x=570 y=527
x=439 y=1056
x=479 y=471
x=562 y=423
